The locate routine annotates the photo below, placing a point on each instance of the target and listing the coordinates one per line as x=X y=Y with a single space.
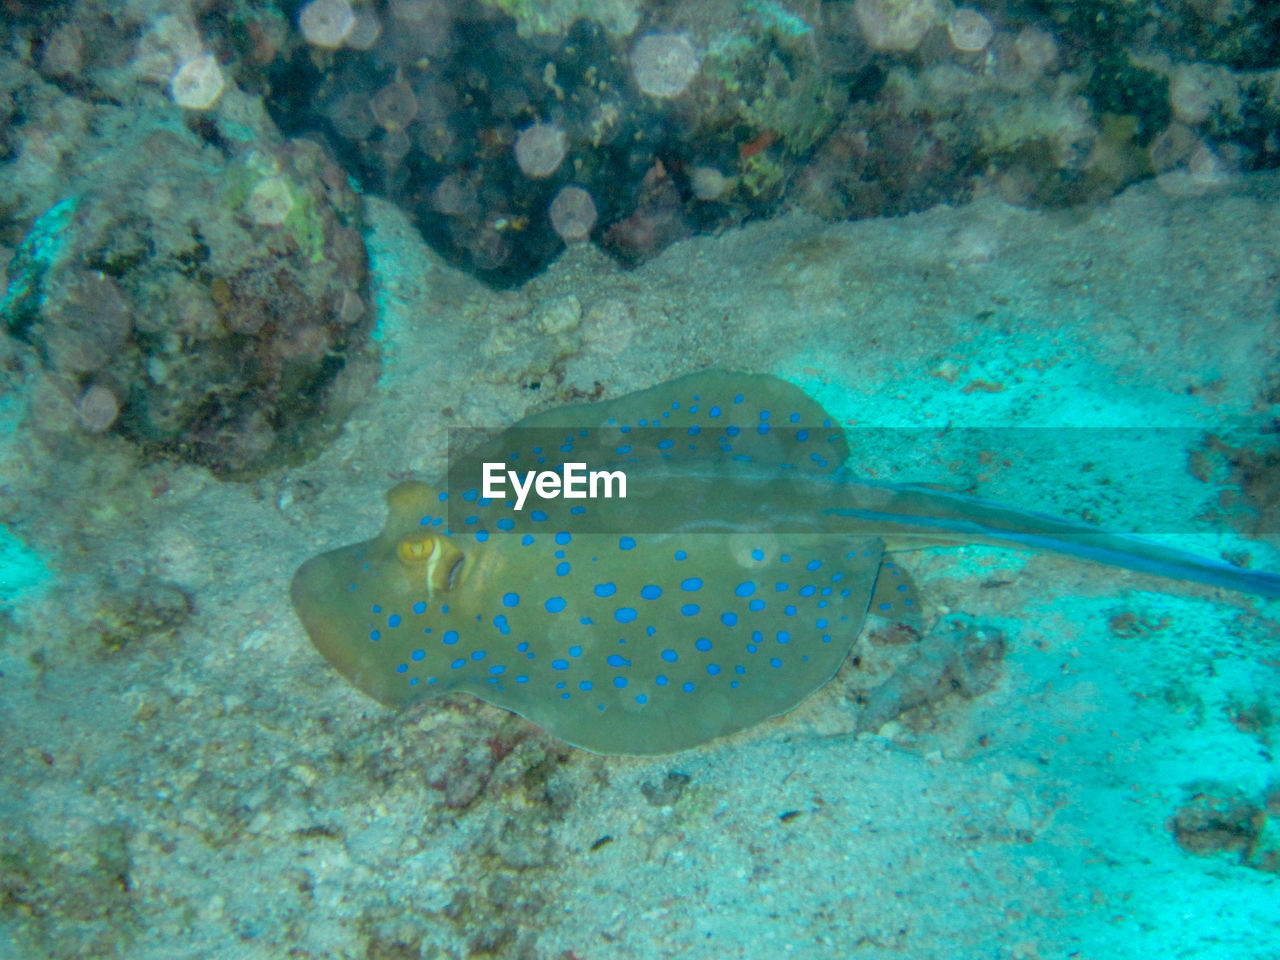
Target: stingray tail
x=918 y=511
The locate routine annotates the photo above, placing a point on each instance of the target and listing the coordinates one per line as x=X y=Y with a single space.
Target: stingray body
x=726 y=587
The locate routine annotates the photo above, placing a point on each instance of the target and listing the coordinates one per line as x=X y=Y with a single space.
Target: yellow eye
x=417 y=549
x=443 y=560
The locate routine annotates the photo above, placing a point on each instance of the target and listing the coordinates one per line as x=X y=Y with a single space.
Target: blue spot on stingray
x=738 y=398
x=691 y=584
x=729 y=618
x=537 y=515
x=783 y=586
x=687 y=688
x=559 y=554
x=670 y=656
x=375 y=635
x=665 y=444
x=626 y=543
x=757 y=554
x=807 y=591
x=763 y=429
x=555 y=604
x=442 y=497
x=902 y=587
x=562 y=569
x=650 y=592
x=559 y=664
x=739 y=669
x=585 y=621
x=802 y=435
x=526 y=540
x=585 y=685
x=641 y=698
x=821 y=624
x=813 y=565
x=764 y=414
x=497 y=668
x=703 y=644
x=694 y=431
x=713 y=412
x=624 y=614
x=450 y=637
x=625 y=448
x=482 y=536
x=775 y=662
x=376 y=608
x=794 y=418
x=470 y=495
x=505 y=523
x=689 y=609
x=522 y=646
x=562 y=538
x=744 y=589
x=575 y=651
x=605 y=589
x=619 y=682
x=393 y=620
x=617 y=660
x=420 y=607
x=732 y=431
x=417 y=655
x=458 y=664
x=510 y=599
x=713 y=668
x=681 y=555
x=886 y=606
x=784 y=637
x=500 y=622
x=661 y=680
x=789 y=610
x=755 y=606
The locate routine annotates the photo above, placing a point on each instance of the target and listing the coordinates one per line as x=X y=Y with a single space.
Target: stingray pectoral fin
x=356 y=602
x=672 y=640
x=343 y=629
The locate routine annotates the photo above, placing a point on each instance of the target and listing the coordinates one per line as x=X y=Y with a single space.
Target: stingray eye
x=418 y=549
x=442 y=560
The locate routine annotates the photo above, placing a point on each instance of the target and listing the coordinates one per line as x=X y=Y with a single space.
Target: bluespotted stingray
x=727 y=586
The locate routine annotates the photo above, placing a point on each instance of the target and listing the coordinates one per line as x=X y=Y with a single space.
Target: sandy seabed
x=199 y=783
